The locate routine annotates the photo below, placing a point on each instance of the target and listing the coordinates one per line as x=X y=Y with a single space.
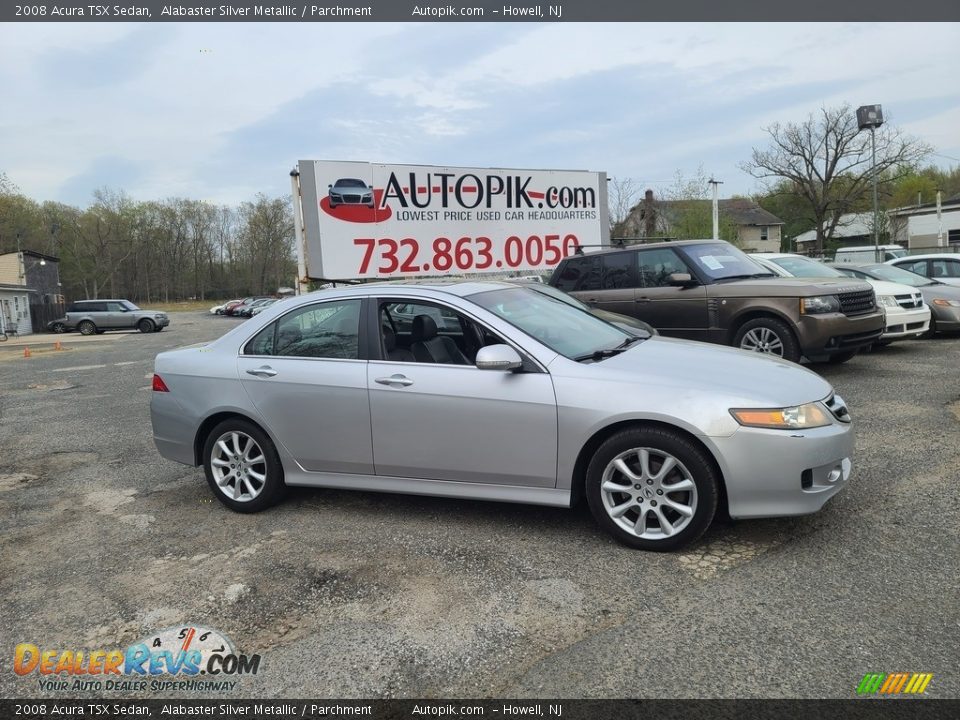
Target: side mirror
x=329 y=186
x=681 y=279
x=498 y=357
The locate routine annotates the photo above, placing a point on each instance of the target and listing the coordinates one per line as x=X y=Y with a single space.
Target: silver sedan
x=491 y=391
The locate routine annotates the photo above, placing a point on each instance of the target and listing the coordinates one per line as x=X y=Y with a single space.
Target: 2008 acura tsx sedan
x=491 y=391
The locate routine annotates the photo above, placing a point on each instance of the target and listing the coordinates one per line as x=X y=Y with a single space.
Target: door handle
x=394 y=380
x=591 y=300
x=641 y=299
x=262 y=371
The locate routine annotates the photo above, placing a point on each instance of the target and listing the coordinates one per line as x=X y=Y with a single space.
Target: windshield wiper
x=598 y=355
x=746 y=277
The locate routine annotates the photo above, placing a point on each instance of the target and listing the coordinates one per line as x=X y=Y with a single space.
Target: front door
x=445 y=421
x=674 y=311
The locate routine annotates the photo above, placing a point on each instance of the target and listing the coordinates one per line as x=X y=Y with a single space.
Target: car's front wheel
x=58 y=327
x=145 y=326
x=652 y=488
x=770 y=336
x=87 y=327
x=242 y=466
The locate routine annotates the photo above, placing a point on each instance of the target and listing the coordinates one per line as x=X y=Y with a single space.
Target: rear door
x=305 y=375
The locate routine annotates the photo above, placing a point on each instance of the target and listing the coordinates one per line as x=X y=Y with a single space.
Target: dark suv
x=96 y=316
x=709 y=290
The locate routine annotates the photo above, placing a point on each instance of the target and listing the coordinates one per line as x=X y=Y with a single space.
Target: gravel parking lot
x=374 y=595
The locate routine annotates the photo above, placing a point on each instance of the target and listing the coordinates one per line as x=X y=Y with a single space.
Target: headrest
x=389 y=338
x=424 y=328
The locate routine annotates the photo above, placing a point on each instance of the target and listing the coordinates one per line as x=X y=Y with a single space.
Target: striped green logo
x=894 y=683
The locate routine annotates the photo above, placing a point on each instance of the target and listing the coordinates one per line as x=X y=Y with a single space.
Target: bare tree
x=827 y=161
x=624 y=193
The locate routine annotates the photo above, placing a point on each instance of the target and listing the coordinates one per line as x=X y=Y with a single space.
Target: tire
x=769 y=336
x=87 y=327
x=254 y=495
x=644 y=490
x=146 y=326
x=839 y=358
x=58 y=328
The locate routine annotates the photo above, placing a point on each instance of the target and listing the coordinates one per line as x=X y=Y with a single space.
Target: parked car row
x=517 y=391
x=245 y=307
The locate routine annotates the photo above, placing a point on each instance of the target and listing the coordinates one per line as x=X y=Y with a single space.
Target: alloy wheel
x=764 y=340
x=648 y=493
x=239 y=466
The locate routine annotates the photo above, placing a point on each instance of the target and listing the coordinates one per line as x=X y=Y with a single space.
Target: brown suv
x=709 y=290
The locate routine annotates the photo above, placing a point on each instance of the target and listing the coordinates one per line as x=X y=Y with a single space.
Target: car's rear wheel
x=87 y=327
x=242 y=466
x=769 y=336
x=652 y=489
x=146 y=325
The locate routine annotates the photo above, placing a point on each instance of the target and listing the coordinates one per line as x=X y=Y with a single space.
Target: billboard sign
x=366 y=220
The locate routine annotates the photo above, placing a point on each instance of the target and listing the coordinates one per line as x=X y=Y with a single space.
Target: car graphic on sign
x=350 y=191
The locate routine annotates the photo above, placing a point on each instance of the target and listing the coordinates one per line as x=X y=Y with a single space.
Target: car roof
x=460 y=287
x=101 y=300
x=644 y=246
x=930 y=256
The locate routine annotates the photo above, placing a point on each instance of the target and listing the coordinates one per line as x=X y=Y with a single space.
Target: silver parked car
x=516 y=396
x=97 y=316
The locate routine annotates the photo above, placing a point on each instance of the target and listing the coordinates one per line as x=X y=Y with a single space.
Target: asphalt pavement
x=374 y=595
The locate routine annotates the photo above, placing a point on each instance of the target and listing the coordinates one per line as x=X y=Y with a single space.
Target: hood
x=748 y=379
x=884 y=287
x=943 y=291
x=786 y=287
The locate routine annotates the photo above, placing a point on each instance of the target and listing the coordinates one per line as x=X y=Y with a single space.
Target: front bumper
x=947 y=319
x=829 y=333
x=775 y=473
x=906 y=323
x=162 y=321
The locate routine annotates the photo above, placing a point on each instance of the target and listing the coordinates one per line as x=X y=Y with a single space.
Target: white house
x=917 y=228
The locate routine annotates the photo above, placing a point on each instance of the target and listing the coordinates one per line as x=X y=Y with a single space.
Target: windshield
x=350 y=182
x=802 y=267
x=895 y=274
x=560 y=326
x=721 y=260
x=129 y=305
x=560 y=295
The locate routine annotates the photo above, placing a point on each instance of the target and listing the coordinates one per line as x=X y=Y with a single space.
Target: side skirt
x=438 y=488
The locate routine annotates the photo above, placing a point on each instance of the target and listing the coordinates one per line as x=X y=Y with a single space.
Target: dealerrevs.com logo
x=183 y=658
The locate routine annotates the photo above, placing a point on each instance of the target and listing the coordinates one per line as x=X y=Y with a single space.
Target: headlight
x=887 y=300
x=811 y=415
x=819 y=304
x=946 y=303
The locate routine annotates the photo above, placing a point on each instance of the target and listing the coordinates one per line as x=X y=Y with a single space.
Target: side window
x=115 y=307
x=618 y=271
x=945 y=268
x=262 y=342
x=442 y=335
x=580 y=273
x=325 y=330
x=918 y=266
x=656 y=267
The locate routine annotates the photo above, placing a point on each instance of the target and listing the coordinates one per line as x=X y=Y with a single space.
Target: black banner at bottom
x=854 y=709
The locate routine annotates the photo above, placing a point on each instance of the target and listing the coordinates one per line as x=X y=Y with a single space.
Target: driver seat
x=429 y=347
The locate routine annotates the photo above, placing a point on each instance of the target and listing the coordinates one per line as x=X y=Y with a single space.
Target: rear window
x=580 y=273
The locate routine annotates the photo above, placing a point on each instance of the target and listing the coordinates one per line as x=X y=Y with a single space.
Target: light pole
x=871 y=116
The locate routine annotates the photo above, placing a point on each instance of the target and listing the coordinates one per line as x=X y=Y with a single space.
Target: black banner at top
x=323 y=11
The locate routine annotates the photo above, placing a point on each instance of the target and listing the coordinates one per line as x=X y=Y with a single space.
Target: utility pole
x=939 y=221
x=303 y=284
x=716 y=208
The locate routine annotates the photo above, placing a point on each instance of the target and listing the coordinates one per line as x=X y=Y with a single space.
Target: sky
x=222 y=111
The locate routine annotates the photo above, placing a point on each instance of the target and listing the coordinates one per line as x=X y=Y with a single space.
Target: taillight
x=159 y=385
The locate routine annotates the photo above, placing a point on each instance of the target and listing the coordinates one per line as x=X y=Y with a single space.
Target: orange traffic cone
x=57 y=345
x=26 y=352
